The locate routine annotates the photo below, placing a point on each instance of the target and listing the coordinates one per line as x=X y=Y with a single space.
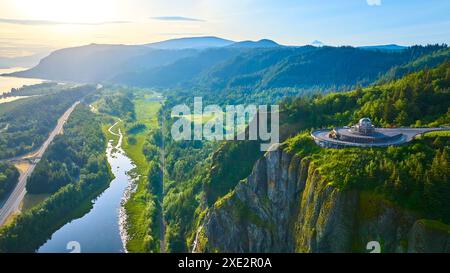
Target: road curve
x=322 y=138
x=13 y=202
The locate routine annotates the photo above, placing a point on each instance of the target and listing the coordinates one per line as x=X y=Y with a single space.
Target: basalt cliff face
x=286 y=206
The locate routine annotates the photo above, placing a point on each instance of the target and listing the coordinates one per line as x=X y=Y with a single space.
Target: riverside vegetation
x=74 y=171
x=30 y=120
x=138 y=111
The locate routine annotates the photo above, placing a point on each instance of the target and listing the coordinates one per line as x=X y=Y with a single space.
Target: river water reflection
x=98 y=230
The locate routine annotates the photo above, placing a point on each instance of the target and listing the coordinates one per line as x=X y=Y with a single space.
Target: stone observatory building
x=365 y=134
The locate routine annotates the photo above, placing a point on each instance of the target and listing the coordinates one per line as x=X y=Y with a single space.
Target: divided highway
x=13 y=202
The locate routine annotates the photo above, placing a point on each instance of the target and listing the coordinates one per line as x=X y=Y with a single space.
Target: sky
x=34 y=26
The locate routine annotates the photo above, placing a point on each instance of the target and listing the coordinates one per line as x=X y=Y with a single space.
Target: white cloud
x=177 y=18
x=374 y=2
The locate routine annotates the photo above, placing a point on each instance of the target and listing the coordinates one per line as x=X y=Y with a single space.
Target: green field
x=141 y=206
x=198 y=118
x=438 y=133
x=147 y=114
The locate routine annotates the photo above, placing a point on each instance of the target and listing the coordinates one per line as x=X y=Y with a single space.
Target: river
x=7 y=83
x=99 y=230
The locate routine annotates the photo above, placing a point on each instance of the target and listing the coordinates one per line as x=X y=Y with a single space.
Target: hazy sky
x=30 y=26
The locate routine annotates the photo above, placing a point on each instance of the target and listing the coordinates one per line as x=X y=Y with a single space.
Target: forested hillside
x=118 y=104
x=29 y=121
x=78 y=152
x=323 y=68
x=418 y=99
x=195 y=181
x=426 y=61
x=242 y=66
x=361 y=188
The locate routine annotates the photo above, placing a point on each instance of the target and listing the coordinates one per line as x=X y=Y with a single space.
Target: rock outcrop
x=257 y=215
x=286 y=206
x=429 y=237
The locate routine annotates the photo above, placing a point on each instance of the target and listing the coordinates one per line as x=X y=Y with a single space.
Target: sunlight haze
x=28 y=26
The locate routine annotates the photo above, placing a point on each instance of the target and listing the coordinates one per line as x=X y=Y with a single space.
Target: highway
x=13 y=202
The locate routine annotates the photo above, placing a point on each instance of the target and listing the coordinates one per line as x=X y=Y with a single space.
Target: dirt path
x=120 y=135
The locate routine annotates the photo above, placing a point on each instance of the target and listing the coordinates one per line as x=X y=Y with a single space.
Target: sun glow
x=39 y=25
x=70 y=11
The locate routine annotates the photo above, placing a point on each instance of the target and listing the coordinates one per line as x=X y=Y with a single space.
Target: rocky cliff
x=286 y=206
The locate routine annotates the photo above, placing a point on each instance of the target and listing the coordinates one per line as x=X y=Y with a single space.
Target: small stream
x=102 y=228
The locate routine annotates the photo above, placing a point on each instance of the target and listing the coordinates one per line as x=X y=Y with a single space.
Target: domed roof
x=365 y=122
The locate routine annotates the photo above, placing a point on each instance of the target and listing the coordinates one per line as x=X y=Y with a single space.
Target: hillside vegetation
x=78 y=152
x=29 y=121
x=243 y=66
x=413 y=176
x=305 y=198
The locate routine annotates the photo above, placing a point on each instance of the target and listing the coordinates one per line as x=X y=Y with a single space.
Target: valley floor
x=144 y=227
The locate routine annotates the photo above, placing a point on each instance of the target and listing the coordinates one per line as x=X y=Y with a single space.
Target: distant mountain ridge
x=22 y=61
x=307 y=67
x=191 y=42
x=263 y=43
x=390 y=47
x=210 y=42
x=214 y=63
x=317 y=43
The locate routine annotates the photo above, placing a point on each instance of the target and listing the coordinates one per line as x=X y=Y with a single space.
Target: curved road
x=321 y=137
x=13 y=202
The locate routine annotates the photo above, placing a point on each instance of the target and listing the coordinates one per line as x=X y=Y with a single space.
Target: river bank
x=103 y=228
x=7 y=82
